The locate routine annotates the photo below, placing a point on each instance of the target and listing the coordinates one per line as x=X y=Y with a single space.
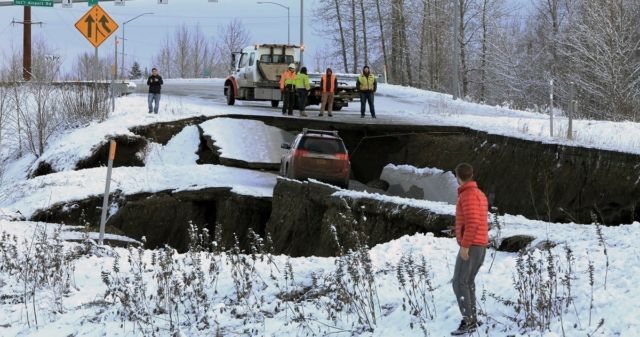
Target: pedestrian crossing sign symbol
x=96 y=25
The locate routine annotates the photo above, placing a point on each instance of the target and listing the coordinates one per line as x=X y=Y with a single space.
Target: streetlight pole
x=302 y=32
x=288 y=17
x=123 y=40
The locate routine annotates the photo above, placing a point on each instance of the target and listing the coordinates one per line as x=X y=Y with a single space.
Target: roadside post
x=105 y=199
x=572 y=109
x=551 y=107
x=96 y=26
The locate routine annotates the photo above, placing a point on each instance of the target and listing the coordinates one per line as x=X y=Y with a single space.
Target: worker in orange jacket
x=472 y=235
x=329 y=84
x=288 y=89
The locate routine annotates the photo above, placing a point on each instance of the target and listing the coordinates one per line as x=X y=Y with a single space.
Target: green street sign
x=92 y=3
x=37 y=3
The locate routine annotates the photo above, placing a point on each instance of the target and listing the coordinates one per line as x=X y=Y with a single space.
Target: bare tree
x=182 y=47
x=468 y=14
x=423 y=39
x=234 y=37
x=198 y=51
x=507 y=54
x=354 y=29
x=364 y=33
x=400 y=51
x=4 y=110
x=342 y=41
x=164 y=59
x=84 y=67
x=490 y=14
x=602 y=49
x=382 y=41
x=188 y=52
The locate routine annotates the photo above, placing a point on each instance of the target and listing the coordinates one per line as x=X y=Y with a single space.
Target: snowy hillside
x=201 y=294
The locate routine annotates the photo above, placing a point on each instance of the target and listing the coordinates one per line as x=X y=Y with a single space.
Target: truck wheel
x=337 y=107
x=274 y=104
x=231 y=100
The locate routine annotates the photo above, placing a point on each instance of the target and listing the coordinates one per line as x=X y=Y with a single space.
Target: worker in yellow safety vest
x=329 y=84
x=302 y=88
x=288 y=89
x=367 y=86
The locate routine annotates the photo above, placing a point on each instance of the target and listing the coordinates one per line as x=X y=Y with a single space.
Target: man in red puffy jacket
x=472 y=234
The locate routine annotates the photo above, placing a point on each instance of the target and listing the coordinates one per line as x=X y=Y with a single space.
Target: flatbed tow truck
x=256 y=74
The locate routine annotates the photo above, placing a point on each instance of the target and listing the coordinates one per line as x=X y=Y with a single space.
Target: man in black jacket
x=155 y=85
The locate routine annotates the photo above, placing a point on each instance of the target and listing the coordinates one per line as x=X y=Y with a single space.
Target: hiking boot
x=330 y=115
x=465 y=327
x=321 y=115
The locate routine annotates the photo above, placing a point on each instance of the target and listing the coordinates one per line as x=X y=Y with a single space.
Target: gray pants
x=464 y=285
x=151 y=99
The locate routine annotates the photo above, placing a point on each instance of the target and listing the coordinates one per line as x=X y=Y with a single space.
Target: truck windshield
x=276 y=59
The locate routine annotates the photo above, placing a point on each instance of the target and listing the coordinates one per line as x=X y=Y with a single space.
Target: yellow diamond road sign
x=96 y=25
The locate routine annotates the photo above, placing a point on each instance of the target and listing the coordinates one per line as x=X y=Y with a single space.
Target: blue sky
x=266 y=23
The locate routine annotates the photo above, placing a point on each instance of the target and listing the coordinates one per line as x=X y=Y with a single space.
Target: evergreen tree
x=135 y=71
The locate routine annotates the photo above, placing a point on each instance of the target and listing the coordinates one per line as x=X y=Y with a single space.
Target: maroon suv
x=319 y=155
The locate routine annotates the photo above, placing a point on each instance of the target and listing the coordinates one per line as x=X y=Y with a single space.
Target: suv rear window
x=320 y=145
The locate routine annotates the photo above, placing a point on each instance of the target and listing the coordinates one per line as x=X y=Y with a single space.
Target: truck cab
x=256 y=72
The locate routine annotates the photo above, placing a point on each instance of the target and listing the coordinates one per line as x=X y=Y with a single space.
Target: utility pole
x=115 y=68
x=122 y=64
x=456 y=52
x=301 y=33
x=114 y=77
x=26 y=42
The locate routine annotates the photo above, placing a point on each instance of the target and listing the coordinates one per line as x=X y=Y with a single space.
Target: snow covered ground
x=256 y=143
x=439 y=109
x=180 y=150
x=296 y=296
x=53 y=287
x=28 y=196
